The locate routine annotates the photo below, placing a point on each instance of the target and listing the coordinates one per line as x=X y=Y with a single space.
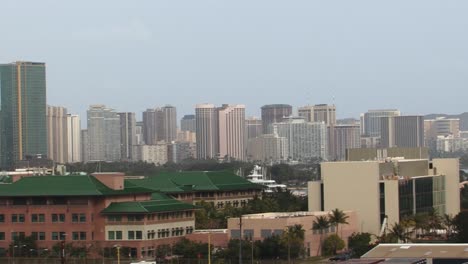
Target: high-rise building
x=231 y=131
x=57 y=133
x=253 y=127
x=127 y=134
x=187 y=123
x=441 y=128
x=318 y=113
x=156 y=154
x=206 y=131
x=342 y=137
x=268 y=148
x=139 y=133
x=305 y=139
x=150 y=126
x=73 y=138
x=23 y=111
x=274 y=113
x=371 y=121
x=402 y=131
x=179 y=151
x=85 y=152
x=168 y=127
x=103 y=133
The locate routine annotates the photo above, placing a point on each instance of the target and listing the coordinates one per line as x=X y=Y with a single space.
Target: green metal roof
x=176 y=182
x=65 y=186
x=159 y=203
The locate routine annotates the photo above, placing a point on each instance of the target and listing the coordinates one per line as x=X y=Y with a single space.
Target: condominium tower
x=23 y=111
x=73 y=138
x=103 y=133
x=127 y=134
x=274 y=113
x=231 y=131
x=371 y=121
x=318 y=113
x=187 y=123
x=206 y=131
x=57 y=144
x=402 y=131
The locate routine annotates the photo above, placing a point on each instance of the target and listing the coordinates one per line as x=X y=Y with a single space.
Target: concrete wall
x=354 y=186
x=392 y=208
x=451 y=169
x=413 y=168
x=314 y=197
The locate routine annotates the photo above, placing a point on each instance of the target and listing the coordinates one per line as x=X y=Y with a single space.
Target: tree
x=23 y=246
x=320 y=224
x=293 y=239
x=399 y=231
x=332 y=244
x=460 y=223
x=337 y=217
x=359 y=243
x=448 y=223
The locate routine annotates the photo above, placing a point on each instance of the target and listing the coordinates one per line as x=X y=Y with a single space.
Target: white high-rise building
x=231 y=131
x=371 y=121
x=305 y=139
x=103 y=133
x=127 y=134
x=318 y=113
x=268 y=148
x=57 y=133
x=73 y=138
x=156 y=154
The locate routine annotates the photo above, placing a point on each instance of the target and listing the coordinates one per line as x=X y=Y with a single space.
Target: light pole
x=209 y=248
x=118 y=253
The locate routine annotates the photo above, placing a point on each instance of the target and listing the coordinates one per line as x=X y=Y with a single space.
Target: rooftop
x=418 y=251
x=286 y=215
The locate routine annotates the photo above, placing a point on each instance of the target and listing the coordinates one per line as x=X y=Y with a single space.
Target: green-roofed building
x=218 y=187
x=100 y=210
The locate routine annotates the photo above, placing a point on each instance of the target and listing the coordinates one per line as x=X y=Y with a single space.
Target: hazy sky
x=133 y=55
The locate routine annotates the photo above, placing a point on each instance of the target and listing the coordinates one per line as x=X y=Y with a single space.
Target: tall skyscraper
x=305 y=139
x=57 y=133
x=139 y=133
x=73 y=138
x=85 y=152
x=253 y=127
x=103 y=133
x=319 y=113
x=402 y=131
x=231 y=131
x=441 y=126
x=168 y=126
x=127 y=135
x=187 y=123
x=342 y=137
x=150 y=126
x=274 y=113
x=371 y=121
x=268 y=148
x=206 y=131
x=23 y=111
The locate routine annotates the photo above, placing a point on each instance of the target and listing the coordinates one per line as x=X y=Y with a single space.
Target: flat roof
x=276 y=215
x=418 y=251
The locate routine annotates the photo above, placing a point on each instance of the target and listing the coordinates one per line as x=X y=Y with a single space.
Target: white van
x=144 y=262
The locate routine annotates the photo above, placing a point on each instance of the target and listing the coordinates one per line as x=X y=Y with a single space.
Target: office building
x=440 y=128
x=167 y=129
x=127 y=135
x=85 y=145
x=274 y=113
x=73 y=138
x=103 y=133
x=206 y=131
x=253 y=127
x=358 y=154
x=151 y=119
x=57 y=142
x=306 y=140
x=318 y=113
x=341 y=138
x=180 y=151
x=402 y=131
x=23 y=121
x=231 y=131
x=156 y=154
x=268 y=148
x=139 y=133
x=370 y=121
x=187 y=123
x=394 y=189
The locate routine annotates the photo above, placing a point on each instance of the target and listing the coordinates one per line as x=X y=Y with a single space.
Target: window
x=15 y=235
x=17 y=218
x=39 y=201
x=134 y=218
x=79 y=218
x=111 y=235
x=139 y=235
x=118 y=235
x=114 y=218
x=19 y=201
x=131 y=235
x=38 y=218
x=38 y=235
x=265 y=233
x=2 y=218
x=58 y=235
x=58 y=201
x=2 y=235
x=58 y=218
x=79 y=235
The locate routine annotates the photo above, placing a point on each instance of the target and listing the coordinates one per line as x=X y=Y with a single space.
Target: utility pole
x=240 y=239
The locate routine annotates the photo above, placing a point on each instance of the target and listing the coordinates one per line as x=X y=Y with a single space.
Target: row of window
x=44 y=201
x=151 y=234
x=234 y=204
x=41 y=236
x=159 y=216
x=41 y=218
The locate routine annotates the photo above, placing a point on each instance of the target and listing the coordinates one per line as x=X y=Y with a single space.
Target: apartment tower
x=231 y=131
x=73 y=138
x=206 y=122
x=127 y=134
x=57 y=133
x=274 y=113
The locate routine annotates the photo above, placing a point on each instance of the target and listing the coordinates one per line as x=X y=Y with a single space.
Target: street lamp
x=118 y=253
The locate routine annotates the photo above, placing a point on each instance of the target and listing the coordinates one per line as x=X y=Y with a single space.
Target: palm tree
x=294 y=235
x=337 y=217
x=399 y=231
x=320 y=224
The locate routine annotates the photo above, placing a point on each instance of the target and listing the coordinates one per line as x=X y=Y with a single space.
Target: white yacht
x=256 y=176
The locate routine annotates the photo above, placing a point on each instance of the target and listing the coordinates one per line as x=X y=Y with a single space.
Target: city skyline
x=297 y=53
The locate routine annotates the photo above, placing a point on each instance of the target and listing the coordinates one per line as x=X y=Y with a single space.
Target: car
x=340 y=257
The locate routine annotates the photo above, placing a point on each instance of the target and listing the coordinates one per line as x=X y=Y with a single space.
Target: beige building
x=318 y=113
x=253 y=127
x=383 y=192
x=57 y=133
x=231 y=131
x=206 y=125
x=264 y=225
x=358 y=154
x=156 y=154
x=268 y=148
x=341 y=138
x=73 y=138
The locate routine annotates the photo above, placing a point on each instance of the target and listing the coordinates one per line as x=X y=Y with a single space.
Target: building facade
x=23 y=114
x=274 y=113
x=231 y=131
x=73 y=138
x=187 y=123
x=127 y=135
x=268 y=148
x=253 y=127
x=341 y=138
x=168 y=127
x=370 y=121
x=402 y=131
x=206 y=131
x=103 y=133
x=57 y=142
x=319 y=113
x=156 y=154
